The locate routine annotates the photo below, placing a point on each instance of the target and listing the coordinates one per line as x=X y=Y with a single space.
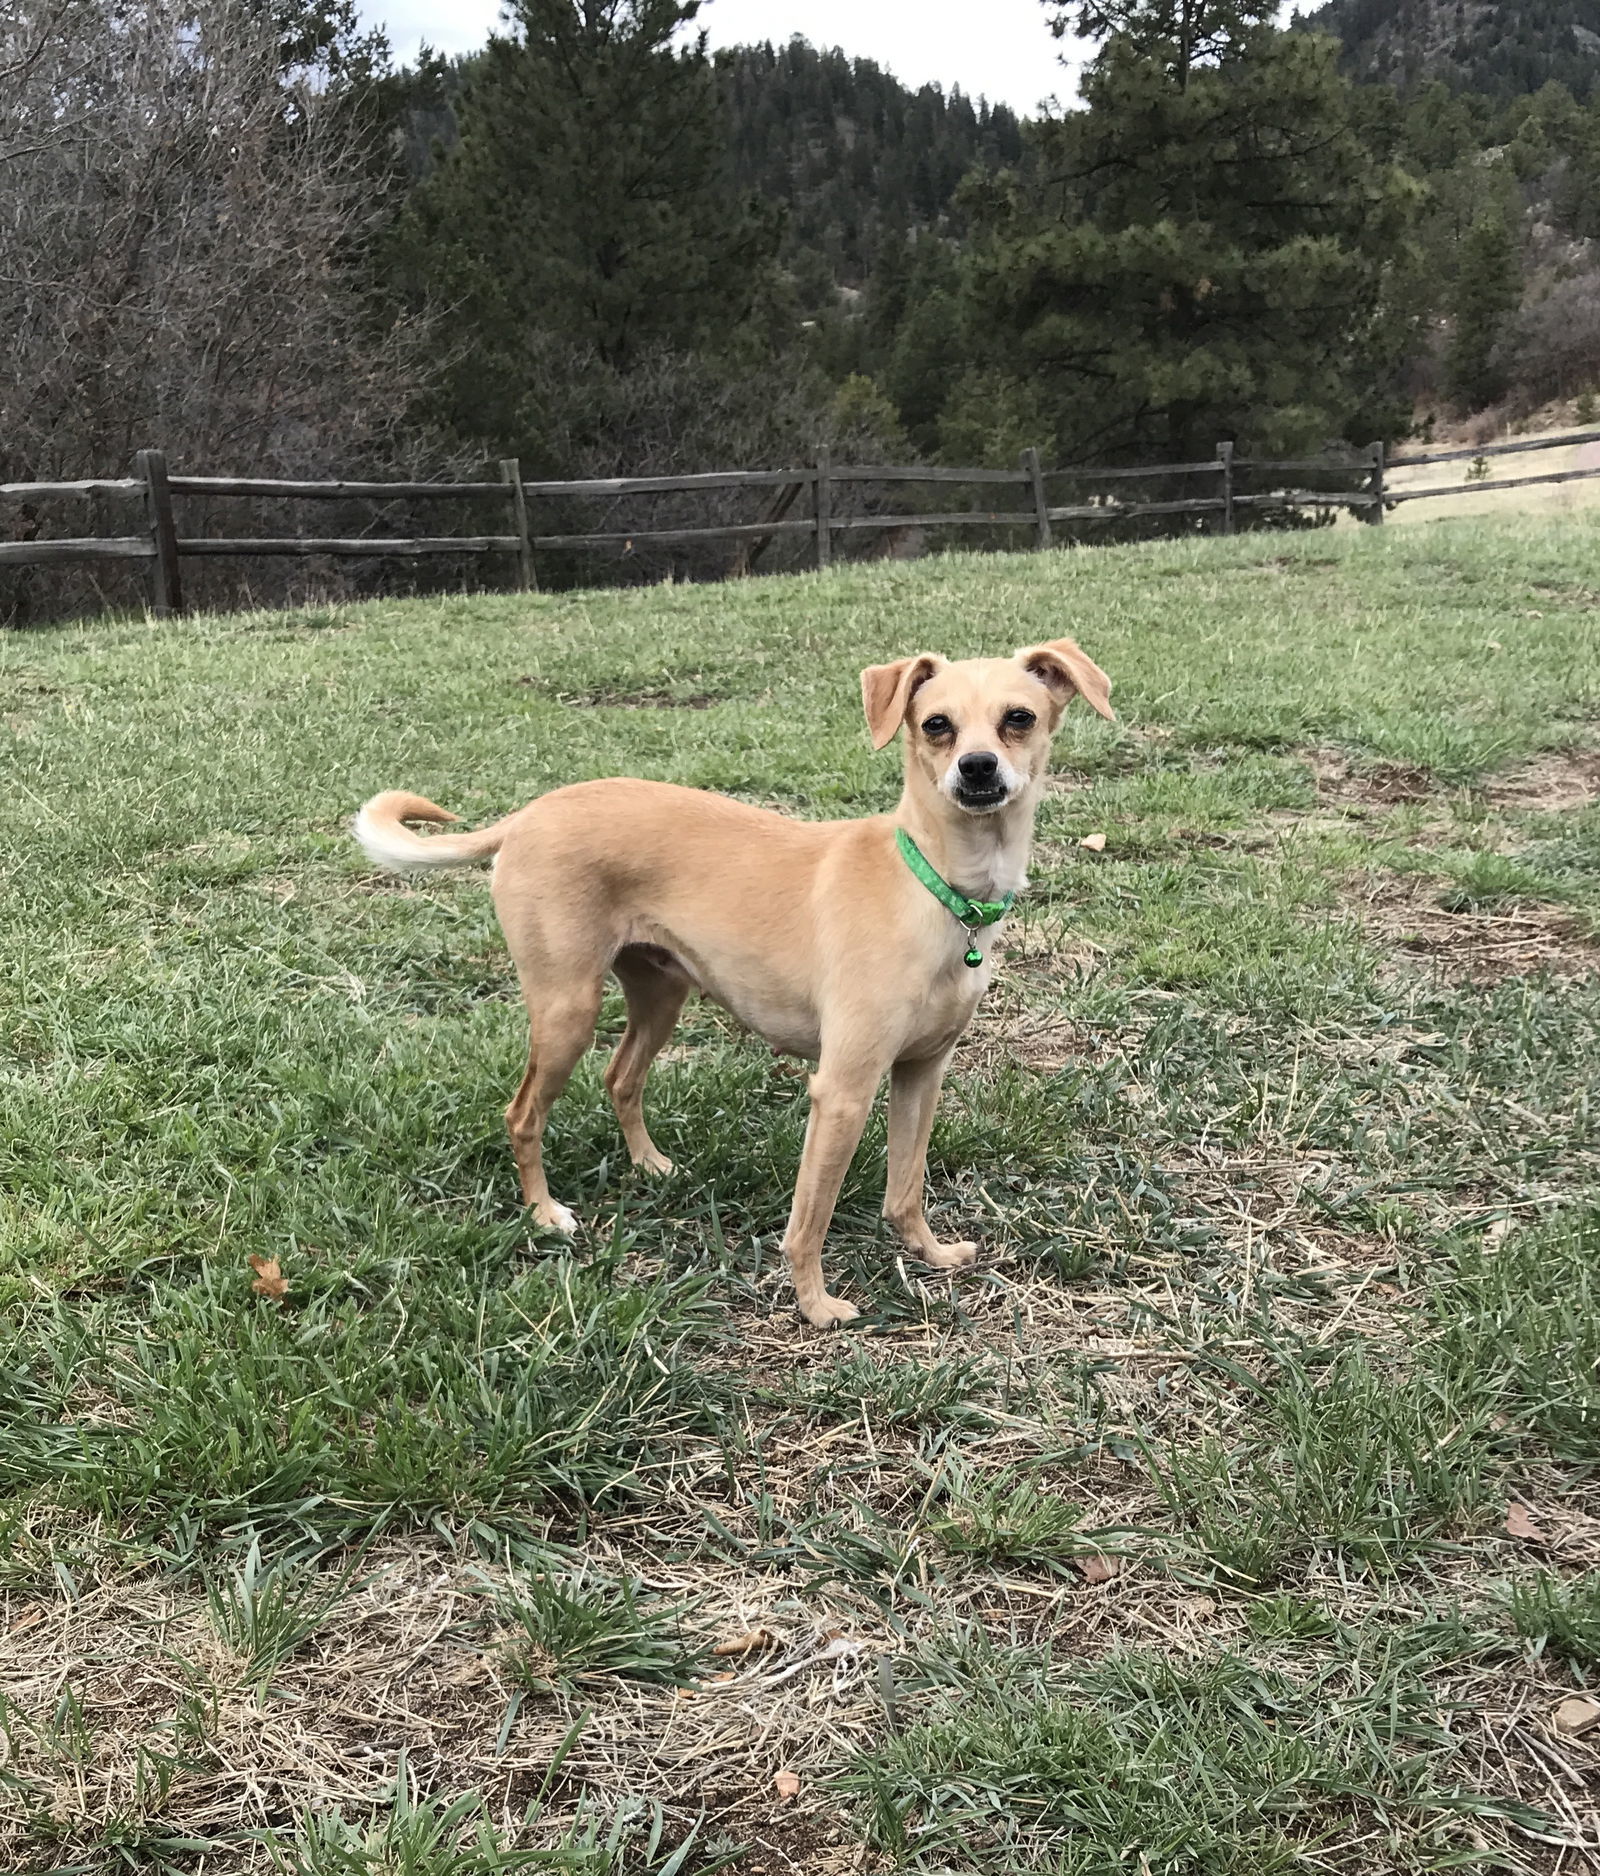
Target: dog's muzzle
x=978 y=784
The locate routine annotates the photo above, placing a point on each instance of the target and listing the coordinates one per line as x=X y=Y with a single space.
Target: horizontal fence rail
x=1369 y=493
x=358 y=546
x=1490 y=488
x=1574 y=441
x=331 y=491
x=91 y=547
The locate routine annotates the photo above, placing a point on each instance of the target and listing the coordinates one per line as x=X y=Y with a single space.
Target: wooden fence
x=165 y=549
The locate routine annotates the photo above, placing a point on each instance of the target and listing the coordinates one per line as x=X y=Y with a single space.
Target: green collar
x=974 y=914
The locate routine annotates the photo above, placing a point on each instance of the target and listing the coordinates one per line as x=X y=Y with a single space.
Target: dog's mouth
x=982 y=800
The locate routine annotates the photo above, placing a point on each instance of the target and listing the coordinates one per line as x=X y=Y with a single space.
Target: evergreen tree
x=1488 y=292
x=324 y=38
x=588 y=196
x=930 y=348
x=1212 y=248
x=1181 y=35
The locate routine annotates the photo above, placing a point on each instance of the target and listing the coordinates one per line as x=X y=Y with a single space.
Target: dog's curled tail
x=380 y=828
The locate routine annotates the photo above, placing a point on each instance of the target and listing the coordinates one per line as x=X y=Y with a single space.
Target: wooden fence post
x=168 y=595
x=823 y=508
x=1041 y=509
x=749 y=552
x=1379 y=462
x=511 y=475
x=1225 y=457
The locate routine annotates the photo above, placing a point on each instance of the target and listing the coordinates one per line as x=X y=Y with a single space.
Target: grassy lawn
x=1237 y=1515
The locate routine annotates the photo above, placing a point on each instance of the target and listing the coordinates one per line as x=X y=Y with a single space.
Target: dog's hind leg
x=913 y=1096
x=655 y=996
x=561 y=1027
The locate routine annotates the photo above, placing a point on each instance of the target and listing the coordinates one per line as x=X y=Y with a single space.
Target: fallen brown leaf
x=270 y=1280
x=1097 y=1569
x=1096 y=843
x=747 y=1644
x=1578 y=1715
x=1519 y=1523
x=787 y=1785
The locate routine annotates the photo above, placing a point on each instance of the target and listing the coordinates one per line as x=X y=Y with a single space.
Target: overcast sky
x=999 y=49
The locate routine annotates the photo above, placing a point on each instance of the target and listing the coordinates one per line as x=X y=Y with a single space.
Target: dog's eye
x=936 y=726
x=1020 y=719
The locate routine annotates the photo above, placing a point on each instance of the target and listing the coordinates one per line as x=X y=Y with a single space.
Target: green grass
x=415 y=1835
x=1012 y=1519
x=956 y=1391
x=1561 y=1617
x=264 y=1612
x=1278 y=1131
x=1520 y=1323
x=1217 y=1764
x=573 y=1631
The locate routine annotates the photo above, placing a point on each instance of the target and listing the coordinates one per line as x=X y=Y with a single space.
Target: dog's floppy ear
x=1062 y=668
x=887 y=690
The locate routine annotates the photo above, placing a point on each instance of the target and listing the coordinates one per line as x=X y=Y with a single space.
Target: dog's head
x=979 y=731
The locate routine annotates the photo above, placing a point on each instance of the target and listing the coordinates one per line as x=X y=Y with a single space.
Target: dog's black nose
x=980 y=769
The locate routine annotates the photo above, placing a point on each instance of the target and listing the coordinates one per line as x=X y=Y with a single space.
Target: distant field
x=1479 y=499
x=1238 y=1515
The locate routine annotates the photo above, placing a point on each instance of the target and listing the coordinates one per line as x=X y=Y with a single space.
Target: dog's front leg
x=913 y=1096
x=841 y=1099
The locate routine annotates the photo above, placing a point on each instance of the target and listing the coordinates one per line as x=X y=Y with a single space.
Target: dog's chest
x=939 y=1020
x=792 y=1023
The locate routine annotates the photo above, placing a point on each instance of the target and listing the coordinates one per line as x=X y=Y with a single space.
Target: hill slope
x=850 y=152
x=1502 y=51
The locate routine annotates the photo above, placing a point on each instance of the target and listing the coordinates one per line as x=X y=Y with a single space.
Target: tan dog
x=818 y=935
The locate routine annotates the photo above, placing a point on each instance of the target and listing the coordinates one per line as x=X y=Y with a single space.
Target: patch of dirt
x=1379 y=784
x=1557 y=783
x=1582 y=596
x=1044 y=1044
x=813 y=1841
x=607 y=697
x=1403 y=916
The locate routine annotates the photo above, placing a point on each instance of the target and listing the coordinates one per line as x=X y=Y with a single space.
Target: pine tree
x=588 y=196
x=929 y=354
x=1212 y=248
x=325 y=38
x=1488 y=291
x=1181 y=35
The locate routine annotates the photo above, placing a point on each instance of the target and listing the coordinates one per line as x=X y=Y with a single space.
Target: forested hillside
x=852 y=156
x=1502 y=52
x=851 y=153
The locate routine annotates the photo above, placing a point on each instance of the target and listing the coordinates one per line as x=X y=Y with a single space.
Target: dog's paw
x=654 y=1162
x=554 y=1217
x=829 y=1312
x=948 y=1256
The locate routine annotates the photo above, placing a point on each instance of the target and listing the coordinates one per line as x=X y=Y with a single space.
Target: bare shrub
x=1483 y=427
x=1553 y=347
x=182 y=225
